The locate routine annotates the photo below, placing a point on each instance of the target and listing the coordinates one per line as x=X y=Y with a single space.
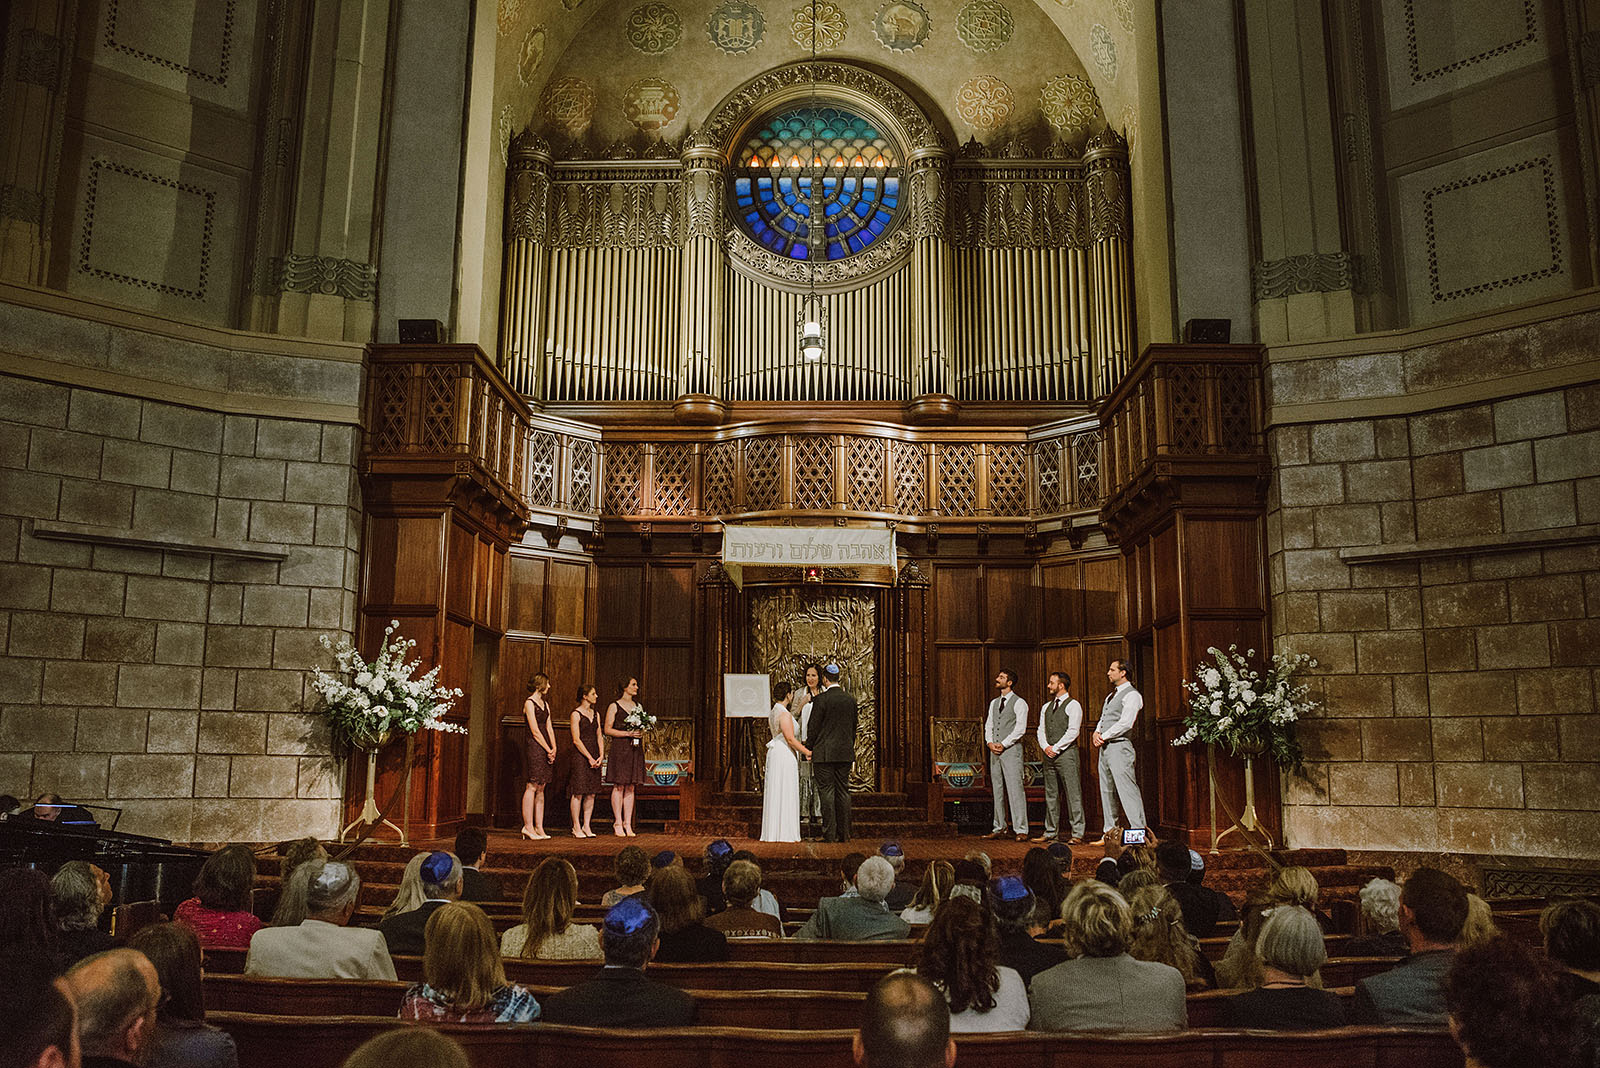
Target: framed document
x=746 y=696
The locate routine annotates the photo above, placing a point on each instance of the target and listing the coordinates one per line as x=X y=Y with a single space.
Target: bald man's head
x=905 y=1024
x=117 y=993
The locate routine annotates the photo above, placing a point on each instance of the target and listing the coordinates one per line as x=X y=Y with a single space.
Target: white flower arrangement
x=363 y=701
x=638 y=720
x=1251 y=712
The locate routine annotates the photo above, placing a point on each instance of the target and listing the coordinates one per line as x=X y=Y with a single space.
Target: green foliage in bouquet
x=1253 y=712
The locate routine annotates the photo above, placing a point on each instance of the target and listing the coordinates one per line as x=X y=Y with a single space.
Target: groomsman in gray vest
x=1002 y=731
x=1113 y=740
x=1059 y=723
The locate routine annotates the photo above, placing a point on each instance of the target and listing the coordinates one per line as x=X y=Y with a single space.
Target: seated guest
x=960 y=956
x=765 y=901
x=631 y=868
x=1240 y=966
x=740 y=885
x=849 y=864
x=1380 y=917
x=1103 y=988
x=1042 y=873
x=1571 y=931
x=863 y=917
x=1159 y=935
x=1479 y=927
x=547 y=931
x=937 y=879
x=1016 y=913
x=1295 y=885
x=322 y=946
x=621 y=995
x=1201 y=905
x=290 y=907
x=1506 y=1010
x=408 y=895
x=1292 y=950
x=25 y=926
x=441 y=884
x=1433 y=908
x=979 y=857
x=413 y=1047
x=8 y=807
x=116 y=993
x=1137 y=880
x=182 y=1037
x=719 y=855
x=463 y=977
x=472 y=847
x=680 y=910
x=220 y=912
x=42 y=1026
x=905 y=1023
x=972 y=881
x=904 y=889
x=79 y=893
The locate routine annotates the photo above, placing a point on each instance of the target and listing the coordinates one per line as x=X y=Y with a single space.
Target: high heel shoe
x=530 y=835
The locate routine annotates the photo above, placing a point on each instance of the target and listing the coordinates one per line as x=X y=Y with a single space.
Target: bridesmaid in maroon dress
x=584 y=782
x=540 y=758
x=626 y=769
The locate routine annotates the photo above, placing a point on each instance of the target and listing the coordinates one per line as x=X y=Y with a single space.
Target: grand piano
x=141 y=868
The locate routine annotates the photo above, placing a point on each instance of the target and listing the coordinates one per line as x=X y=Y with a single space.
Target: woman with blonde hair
x=463 y=978
x=1479 y=927
x=1159 y=935
x=937 y=881
x=547 y=931
x=409 y=896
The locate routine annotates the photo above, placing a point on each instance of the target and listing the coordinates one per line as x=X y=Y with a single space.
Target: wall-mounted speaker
x=421 y=331
x=1207 y=331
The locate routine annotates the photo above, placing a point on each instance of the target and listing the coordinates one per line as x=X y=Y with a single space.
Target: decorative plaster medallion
x=736 y=27
x=569 y=105
x=503 y=131
x=902 y=25
x=1104 y=50
x=1069 y=103
x=984 y=103
x=650 y=104
x=530 y=55
x=829 y=30
x=1124 y=9
x=506 y=15
x=654 y=28
x=1130 y=127
x=984 y=25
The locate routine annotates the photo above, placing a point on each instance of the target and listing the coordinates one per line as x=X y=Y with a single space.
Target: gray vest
x=1005 y=716
x=1112 y=712
x=1056 y=720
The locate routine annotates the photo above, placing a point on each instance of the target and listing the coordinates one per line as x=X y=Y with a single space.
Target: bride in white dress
x=780 y=805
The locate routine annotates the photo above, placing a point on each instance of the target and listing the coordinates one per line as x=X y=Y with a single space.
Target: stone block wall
x=1437 y=549
x=156 y=659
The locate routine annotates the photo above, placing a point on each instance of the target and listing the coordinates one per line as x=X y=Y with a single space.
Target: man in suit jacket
x=441 y=884
x=833 y=750
x=621 y=995
x=863 y=918
x=472 y=845
x=322 y=947
x=1433 y=909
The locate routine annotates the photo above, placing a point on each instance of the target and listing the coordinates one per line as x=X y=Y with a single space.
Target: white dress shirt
x=1074 y=725
x=1020 y=707
x=1131 y=703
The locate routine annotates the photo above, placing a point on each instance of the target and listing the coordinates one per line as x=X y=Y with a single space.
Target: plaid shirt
x=510 y=1004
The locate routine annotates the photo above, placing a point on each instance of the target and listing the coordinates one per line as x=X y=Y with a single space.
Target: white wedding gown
x=780 y=804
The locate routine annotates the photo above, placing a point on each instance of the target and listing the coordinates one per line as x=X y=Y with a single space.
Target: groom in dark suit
x=833 y=749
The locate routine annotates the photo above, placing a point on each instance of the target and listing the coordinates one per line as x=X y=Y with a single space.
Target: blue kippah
x=831 y=668
x=436 y=869
x=891 y=849
x=1196 y=861
x=628 y=916
x=720 y=848
x=1009 y=888
x=663 y=858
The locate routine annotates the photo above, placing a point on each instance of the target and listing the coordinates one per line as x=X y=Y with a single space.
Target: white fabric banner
x=807 y=547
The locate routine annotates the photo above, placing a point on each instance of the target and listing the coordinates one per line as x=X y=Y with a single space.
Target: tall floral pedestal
x=370 y=813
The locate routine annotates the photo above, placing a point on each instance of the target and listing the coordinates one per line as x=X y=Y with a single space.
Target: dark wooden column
x=721 y=606
x=441 y=469
x=905 y=685
x=1186 y=475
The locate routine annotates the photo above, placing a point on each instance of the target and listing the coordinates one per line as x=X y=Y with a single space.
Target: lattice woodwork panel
x=1136 y=453
x=389 y=388
x=480 y=429
x=1086 y=464
x=813 y=472
x=763 y=471
x=674 y=478
x=581 y=492
x=624 y=478
x=1008 y=479
x=1186 y=400
x=958 y=479
x=910 y=478
x=438 y=408
x=1047 y=468
x=721 y=463
x=541 y=469
x=504 y=428
x=1234 y=388
x=864 y=479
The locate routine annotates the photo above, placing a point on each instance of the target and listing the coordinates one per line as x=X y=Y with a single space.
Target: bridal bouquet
x=638 y=720
x=364 y=702
x=1253 y=712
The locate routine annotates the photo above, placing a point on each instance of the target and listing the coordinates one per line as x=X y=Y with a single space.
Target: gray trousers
x=1062 y=772
x=810 y=807
x=1117 y=783
x=1005 y=774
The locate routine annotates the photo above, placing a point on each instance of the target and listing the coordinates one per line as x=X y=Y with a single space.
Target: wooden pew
x=129 y=919
x=324 y=1042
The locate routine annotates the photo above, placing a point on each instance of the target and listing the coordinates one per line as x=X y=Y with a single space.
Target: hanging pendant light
x=812 y=314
